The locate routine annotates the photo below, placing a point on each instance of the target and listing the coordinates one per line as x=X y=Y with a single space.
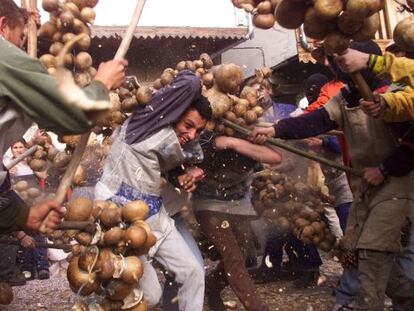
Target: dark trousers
x=8 y=259
x=35 y=259
x=304 y=257
x=229 y=235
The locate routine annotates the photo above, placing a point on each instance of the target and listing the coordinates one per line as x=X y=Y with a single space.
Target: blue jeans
x=347 y=288
x=342 y=210
x=303 y=256
x=171 y=287
x=35 y=259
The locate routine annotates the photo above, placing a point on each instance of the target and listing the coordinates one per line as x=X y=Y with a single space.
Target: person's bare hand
x=259 y=135
x=374 y=108
x=13 y=170
x=352 y=61
x=28 y=242
x=38 y=133
x=112 y=73
x=50 y=210
x=196 y=172
x=35 y=14
x=187 y=182
x=373 y=176
x=314 y=142
x=190 y=178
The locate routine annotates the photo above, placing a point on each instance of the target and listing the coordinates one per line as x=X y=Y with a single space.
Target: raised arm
x=27 y=85
x=258 y=153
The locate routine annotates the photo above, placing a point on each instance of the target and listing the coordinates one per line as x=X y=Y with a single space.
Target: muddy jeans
x=347 y=289
x=380 y=273
x=229 y=235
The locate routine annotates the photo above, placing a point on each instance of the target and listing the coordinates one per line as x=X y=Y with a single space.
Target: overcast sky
x=197 y=13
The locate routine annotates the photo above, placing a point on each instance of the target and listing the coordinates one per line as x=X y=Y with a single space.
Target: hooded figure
x=313 y=86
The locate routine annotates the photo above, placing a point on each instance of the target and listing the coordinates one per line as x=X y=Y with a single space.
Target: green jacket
x=27 y=94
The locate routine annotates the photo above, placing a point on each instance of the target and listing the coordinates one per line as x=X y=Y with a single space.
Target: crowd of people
x=164 y=156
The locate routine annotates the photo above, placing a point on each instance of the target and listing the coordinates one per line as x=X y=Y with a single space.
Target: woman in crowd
x=33 y=260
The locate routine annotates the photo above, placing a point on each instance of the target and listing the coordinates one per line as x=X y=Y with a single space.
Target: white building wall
x=267 y=48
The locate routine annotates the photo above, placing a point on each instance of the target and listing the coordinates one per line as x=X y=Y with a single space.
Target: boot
x=307 y=279
x=14 y=279
x=214 y=302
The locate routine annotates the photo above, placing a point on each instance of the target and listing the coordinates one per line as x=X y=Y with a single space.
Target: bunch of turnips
x=337 y=22
x=69 y=18
x=105 y=264
x=292 y=206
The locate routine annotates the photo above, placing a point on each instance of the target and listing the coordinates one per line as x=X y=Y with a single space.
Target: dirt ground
x=54 y=294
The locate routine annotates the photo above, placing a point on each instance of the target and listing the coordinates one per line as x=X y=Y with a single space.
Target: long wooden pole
x=274 y=142
x=66 y=181
x=363 y=86
x=32 y=30
x=80 y=148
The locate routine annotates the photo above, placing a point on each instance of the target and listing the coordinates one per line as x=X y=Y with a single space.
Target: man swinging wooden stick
x=27 y=94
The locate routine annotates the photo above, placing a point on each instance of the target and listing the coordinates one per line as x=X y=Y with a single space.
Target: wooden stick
x=363 y=86
x=274 y=142
x=80 y=148
x=129 y=34
x=21 y=157
x=86 y=226
x=32 y=30
x=77 y=155
x=66 y=181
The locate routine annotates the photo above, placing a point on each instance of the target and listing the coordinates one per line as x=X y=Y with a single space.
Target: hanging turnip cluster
x=131 y=94
x=404 y=31
x=107 y=263
x=263 y=11
x=69 y=18
x=228 y=102
x=337 y=22
x=292 y=206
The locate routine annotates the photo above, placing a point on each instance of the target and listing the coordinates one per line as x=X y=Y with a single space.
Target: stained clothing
x=400 y=105
x=378 y=213
x=319 y=121
x=228 y=234
x=328 y=91
x=227 y=174
x=27 y=94
x=165 y=107
x=347 y=289
x=133 y=171
x=174 y=202
x=223 y=209
x=176 y=257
